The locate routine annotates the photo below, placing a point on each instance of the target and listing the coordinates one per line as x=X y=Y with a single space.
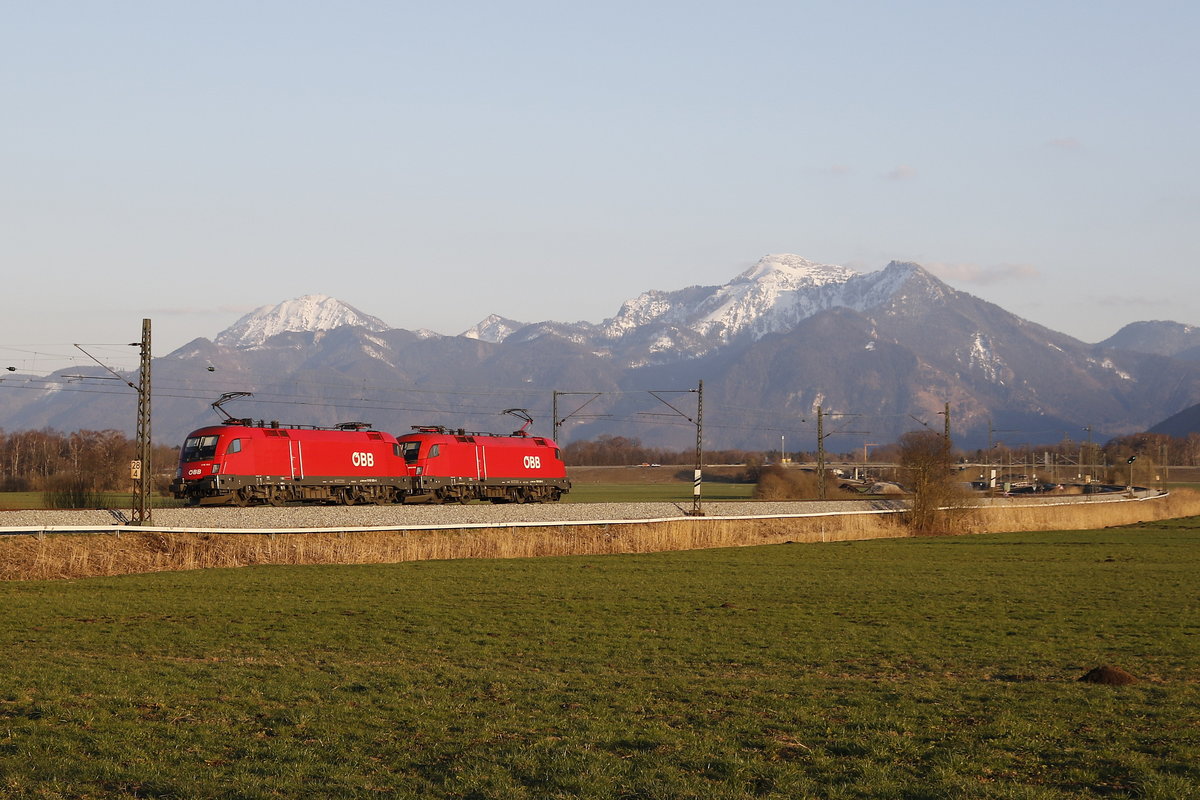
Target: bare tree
x=926 y=466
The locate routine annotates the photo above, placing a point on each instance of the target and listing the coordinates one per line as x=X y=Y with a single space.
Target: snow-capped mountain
x=493 y=328
x=773 y=296
x=772 y=344
x=312 y=312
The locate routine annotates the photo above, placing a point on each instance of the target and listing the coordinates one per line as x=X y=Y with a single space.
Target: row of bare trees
x=1157 y=448
x=94 y=460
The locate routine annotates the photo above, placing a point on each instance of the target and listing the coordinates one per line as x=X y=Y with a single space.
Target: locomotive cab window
x=433 y=451
x=234 y=447
x=411 y=449
x=199 y=448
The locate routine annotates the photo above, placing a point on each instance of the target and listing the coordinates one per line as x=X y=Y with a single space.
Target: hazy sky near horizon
x=431 y=164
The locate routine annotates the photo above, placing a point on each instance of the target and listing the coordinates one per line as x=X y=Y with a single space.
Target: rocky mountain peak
x=787 y=271
x=492 y=328
x=312 y=312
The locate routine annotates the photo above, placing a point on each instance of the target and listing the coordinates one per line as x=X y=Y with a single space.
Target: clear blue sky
x=431 y=163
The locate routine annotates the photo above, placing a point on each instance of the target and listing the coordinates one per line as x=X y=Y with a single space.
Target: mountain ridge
x=310 y=312
x=773 y=344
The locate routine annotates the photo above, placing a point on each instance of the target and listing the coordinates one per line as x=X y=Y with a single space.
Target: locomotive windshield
x=410 y=451
x=199 y=448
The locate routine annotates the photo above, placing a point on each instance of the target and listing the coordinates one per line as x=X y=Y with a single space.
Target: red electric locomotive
x=242 y=463
x=457 y=466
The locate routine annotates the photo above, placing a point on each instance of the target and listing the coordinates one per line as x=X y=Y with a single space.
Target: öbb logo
x=533 y=462
x=363 y=459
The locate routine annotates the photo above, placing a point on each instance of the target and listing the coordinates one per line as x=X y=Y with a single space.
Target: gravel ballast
x=343 y=517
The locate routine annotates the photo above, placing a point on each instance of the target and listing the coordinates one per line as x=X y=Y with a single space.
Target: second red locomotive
x=458 y=466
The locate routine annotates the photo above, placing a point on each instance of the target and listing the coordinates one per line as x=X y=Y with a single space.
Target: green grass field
x=916 y=669
x=655 y=492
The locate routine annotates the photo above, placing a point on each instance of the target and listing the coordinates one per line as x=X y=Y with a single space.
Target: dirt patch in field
x=1108 y=676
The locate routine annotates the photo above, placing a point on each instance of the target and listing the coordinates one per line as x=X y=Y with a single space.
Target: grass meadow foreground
x=901 y=668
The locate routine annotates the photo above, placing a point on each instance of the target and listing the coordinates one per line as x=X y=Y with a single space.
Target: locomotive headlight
x=419 y=470
x=178 y=473
x=216 y=468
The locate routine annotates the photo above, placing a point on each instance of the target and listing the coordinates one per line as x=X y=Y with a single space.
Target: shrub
x=777 y=483
x=70 y=491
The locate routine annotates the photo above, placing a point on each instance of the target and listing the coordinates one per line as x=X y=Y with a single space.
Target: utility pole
x=1087 y=478
x=820 y=453
x=947 y=434
x=821 y=444
x=696 y=512
x=142 y=469
x=699 y=423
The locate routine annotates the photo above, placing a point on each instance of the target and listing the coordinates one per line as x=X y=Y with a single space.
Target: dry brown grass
x=1080 y=516
x=60 y=556
x=78 y=556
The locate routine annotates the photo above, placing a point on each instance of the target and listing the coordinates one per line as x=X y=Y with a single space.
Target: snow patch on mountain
x=310 y=313
x=982 y=356
x=1108 y=364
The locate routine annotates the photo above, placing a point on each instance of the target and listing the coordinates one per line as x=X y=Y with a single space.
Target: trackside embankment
x=57 y=554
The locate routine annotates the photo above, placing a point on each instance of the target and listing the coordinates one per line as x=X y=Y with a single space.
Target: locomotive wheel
x=274 y=497
x=240 y=498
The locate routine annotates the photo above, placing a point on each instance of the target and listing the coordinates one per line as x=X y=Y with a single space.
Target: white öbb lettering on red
x=363 y=459
x=533 y=462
